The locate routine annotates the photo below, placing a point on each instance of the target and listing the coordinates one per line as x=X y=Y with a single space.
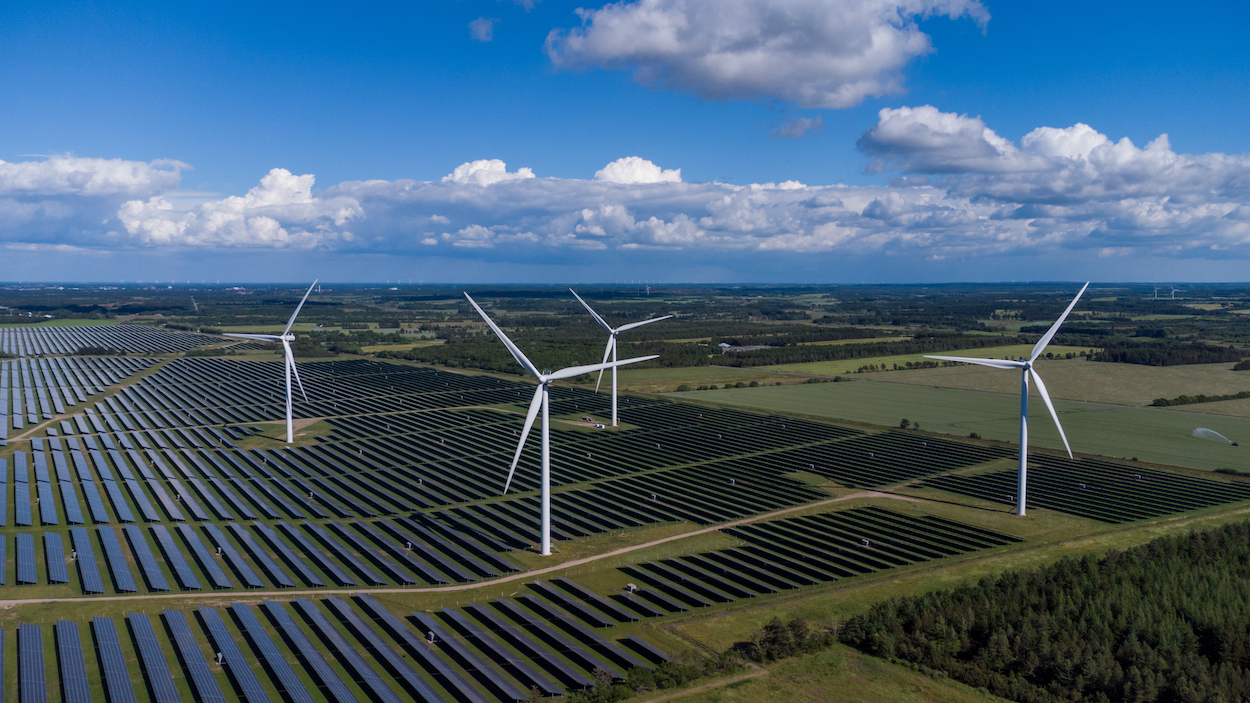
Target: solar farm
x=160 y=541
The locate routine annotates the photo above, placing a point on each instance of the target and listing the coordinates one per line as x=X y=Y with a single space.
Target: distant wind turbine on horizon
x=288 y=361
x=1027 y=370
x=542 y=401
x=610 y=350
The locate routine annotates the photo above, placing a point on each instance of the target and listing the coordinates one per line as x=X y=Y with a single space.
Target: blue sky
x=127 y=128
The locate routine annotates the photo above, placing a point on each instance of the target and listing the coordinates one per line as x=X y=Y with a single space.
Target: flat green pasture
x=1152 y=434
x=835 y=368
x=1078 y=379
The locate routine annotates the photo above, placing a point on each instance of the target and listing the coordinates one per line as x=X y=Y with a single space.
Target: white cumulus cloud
x=281 y=212
x=634 y=169
x=817 y=53
x=483 y=28
x=485 y=172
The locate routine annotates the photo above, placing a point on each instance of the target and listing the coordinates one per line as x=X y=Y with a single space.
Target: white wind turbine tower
x=289 y=361
x=542 y=401
x=611 y=348
x=1026 y=367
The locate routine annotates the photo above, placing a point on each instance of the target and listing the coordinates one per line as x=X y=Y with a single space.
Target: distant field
x=400 y=347
x=870 y=340
x=1078 y=379
x=659 y=380
x=1151 y=434
x=834 y=368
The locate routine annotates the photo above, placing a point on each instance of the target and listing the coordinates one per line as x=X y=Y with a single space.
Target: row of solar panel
x=506 y=652
x=134 y=339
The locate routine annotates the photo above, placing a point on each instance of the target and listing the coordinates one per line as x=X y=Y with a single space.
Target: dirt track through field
x=246 y=596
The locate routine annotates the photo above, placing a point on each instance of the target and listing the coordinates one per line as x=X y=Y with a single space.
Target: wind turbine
x=542 y=401
x=1175 y=291
x=289 y=361
x=1026 y=367
x=611 y=348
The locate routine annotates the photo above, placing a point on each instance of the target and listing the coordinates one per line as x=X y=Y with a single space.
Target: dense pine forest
x=1167 y=621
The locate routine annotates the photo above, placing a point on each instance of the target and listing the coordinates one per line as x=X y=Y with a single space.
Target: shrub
x=683 y=388
x=754 y=384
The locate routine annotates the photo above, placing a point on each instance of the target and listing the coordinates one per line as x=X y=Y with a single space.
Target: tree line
x=1166 y=621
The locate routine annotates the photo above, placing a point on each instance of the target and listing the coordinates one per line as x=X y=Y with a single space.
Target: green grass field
x=1078 y=379
x=835 y=368
x=1151 y=434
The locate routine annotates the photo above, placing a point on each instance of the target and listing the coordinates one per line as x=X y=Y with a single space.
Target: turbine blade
x=572 y=371
x=516 y=353
x=996 y=363
x=262 y=337
x=290 y=359
x=535 y=404
x=1050 y=333
x=298 y=308
x=590 y=310
x=632 y=325
x=1041 y=388
x=607 y=351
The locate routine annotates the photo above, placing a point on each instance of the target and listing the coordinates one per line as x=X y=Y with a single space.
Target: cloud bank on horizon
x=961 y=189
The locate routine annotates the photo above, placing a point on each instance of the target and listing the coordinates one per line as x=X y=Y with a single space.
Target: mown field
x=1151 y=434
x=1078 y=379
x=835 y=368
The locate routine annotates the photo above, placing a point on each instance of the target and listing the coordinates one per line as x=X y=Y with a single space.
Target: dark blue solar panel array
x=173 y=557
x=123 y=580
x=27 y=572
x=99 y=514
x=73 y=511
x=347 y=654
x=120 y=507
x=413 y=682
x=54 y=555
x=113 y=661
x=74 y=687
x=147 y=561
x=233 y=658
x=201 y=676
x=276 y=573
x=288 y=555
x=21 y=504
x=152 y=657
x=32 y=688
x=205 y=557
x=273 y=656
x=47 y=504
x=87 y=567
x=245 y=572
x=313 y=661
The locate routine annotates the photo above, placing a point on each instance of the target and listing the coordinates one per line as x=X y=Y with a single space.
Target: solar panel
x=21 y=473
x=152 y=657
x=32 y=687
x=74 y=687
x=123 y=580
x=147 y=561
x=88 y=570
x=233 y=658
x=173 y=557
x=193 y=658
x=370 y=576
x=21 y=504
x=119 y=502
x=414 y=683
x=282 y=549
x=323 y=559
x=27 y=572
x=347 y=654
x=47 y=504
x=99 y=515
x=3 y=560
x=276 y=573
x=261 y=642
x=311 y=656
x=54 y=555
x=113 y=661
x=73 y=511
x=245 y=572
x=171 y=507
x=4 y=504
x=141 y=499
x=205 y=557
